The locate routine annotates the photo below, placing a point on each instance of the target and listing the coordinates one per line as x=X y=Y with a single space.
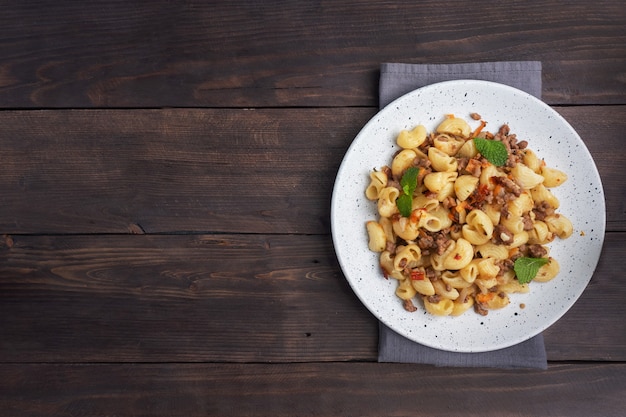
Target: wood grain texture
x=214 y=170
x=579 y=329
x=235 y=298
x=346 y=389
x=166 y=170
x=228 y=298
x=221 y=53
x=172 y=170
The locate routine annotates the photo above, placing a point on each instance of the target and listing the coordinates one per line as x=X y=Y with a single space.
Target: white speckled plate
x=550 y=136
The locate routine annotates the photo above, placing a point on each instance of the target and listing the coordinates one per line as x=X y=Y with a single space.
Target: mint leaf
x=493 y=150
x=408 y=184
x=526 y=268
x=409 y=180
x=405 y=204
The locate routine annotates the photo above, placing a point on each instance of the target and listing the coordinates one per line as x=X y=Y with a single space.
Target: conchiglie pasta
x=405 y=228
x=387 y=201
x=441 y=161
x=386 y=263
x=437 y=181
x=412 y=139
x=467 y=293
x=454 y=126
x=427 y=203
x=487 y=269
x=531 y=160
x=430 y=222
x=454 y=280
x=443 y=307
x=443 y=215
x=552 y=177
x=548 y=271
x=455 y=248
x=559 y=225
x=423 y=286
x=460 y=256
x=526 y=177
x=519 y=239
x=505 y=277
x=478 y=229
x=448 y=144
x=402 y=161
x=377 y=239
x=385 y=223
x=521 y=205
x=494 y=212
x=487 y=173
x=491 y=250
x=470 y=272
x=541 y=194
x=540 y=233
x=515 y=224
x=485 y=284
x=445 y=291
x=464 y=186
x=446 y=192
x=407 y=257
x=468 y=150
x=378 y=181
x=405 y=290
x=499 y=300
x=461 y=305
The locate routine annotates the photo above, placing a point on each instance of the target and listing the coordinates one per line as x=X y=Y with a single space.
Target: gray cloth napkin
x=398 y=79
x=395 y=80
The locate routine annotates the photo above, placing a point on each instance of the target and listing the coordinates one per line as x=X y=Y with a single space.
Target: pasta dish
x=464 y=217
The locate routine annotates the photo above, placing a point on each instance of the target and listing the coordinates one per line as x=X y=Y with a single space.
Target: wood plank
x=268 y=54
x=578 y=330
x=359 y=389
x=178 y=298
x=172 y=170
x=607 y=149
x=193 y=170
x=233 y=298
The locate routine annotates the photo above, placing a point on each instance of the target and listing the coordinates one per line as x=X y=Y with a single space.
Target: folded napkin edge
x=460 y=69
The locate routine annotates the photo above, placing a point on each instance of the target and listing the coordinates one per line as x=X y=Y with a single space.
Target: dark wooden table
x=165 y=179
